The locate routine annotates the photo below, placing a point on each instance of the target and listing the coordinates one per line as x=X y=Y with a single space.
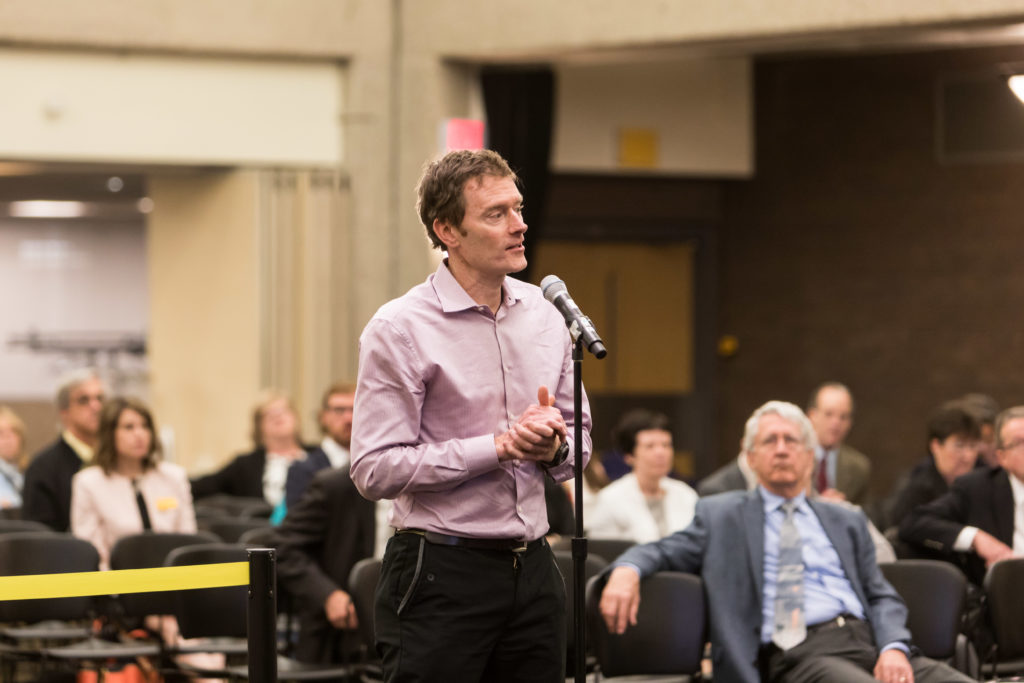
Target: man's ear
x=448 y=235
x=629 y=459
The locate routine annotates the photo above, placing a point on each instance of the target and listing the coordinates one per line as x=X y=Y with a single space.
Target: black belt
x=839 y=622
x=511 y=544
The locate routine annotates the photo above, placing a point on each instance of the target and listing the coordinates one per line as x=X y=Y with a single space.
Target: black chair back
x=1004 y=591
x=221 y=505
x=210 y=612
x=670 y=632
x=146 y=550
x=608 y=549
x=936 y=595
x=259 y=537
x=45 y=552
x=362 y=586
x=230 y=529
x=9 y=526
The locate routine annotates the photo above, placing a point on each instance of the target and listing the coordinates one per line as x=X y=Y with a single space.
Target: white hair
x=787 y=411
x=71 y=381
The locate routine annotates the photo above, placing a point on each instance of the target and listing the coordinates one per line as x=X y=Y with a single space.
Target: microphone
x=579 y=325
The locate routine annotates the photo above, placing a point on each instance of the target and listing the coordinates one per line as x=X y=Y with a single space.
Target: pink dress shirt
x=439 y=377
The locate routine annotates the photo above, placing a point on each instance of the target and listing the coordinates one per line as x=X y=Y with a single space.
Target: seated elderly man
x=794 y=592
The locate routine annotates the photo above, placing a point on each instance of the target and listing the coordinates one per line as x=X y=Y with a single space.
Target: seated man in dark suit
x=46 y=495
x=975 y=523
x=330 y=529
x=336 y=422
x=794 y=592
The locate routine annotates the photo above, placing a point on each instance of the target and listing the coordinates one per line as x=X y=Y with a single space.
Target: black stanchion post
x=262 y=616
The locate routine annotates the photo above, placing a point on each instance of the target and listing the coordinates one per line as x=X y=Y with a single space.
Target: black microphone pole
x=579 y=541
x=582 y=332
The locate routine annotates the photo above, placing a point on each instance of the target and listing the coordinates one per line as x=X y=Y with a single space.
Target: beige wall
x=131 y=108
x=699 y=113
x=204 y=347
x=211 y=346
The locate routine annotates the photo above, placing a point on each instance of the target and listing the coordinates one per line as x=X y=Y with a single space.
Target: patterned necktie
x=790 y=628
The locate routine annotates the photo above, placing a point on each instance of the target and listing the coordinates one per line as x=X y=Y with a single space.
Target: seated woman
x=12 y=458
x=128 y=488
x=262 y=472
x=953 y=441
x=646 y=504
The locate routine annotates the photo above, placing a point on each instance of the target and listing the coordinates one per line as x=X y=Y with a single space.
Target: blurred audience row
x=958 y=503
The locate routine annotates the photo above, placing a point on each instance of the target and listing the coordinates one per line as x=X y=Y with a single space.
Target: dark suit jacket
x=725 y=545
x=301 y=474
x=923 y=485
x=46 y=496
x=981 y=498
x=243 y=476
x=726 y=478
x=330 y=529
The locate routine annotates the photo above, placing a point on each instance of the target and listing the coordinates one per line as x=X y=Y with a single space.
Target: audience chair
x=146 y=550
x=9 y=526
x=669 y=637
x=593 y=566
x=230 y=529
x=51 y=553
x=936 y=594
x=27 y=626
x=232 y=506
x=1004 y=590
x=608 y=549
x=220 y=614
x=362 y=585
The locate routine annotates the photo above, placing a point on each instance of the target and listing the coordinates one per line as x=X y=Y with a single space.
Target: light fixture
x=1016 y=84
x=45 y=208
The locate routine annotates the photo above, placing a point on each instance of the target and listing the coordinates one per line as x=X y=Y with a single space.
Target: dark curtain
x=520 y=115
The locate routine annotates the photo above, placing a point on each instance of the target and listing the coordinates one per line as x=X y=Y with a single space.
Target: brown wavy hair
x=105 y=455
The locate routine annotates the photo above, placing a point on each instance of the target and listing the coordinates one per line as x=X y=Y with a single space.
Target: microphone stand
x=579 y=541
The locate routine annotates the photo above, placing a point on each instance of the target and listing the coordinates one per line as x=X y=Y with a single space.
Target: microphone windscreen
x=552 y=285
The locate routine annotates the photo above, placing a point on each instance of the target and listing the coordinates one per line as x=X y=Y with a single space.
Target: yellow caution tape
x=77 y=584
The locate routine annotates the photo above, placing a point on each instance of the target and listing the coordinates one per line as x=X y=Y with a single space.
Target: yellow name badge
x=165 y=504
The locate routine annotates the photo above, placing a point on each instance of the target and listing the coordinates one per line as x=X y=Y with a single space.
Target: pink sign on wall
x=462 y=134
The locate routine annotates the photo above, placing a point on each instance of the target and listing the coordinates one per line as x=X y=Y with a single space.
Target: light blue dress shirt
x=827 y=591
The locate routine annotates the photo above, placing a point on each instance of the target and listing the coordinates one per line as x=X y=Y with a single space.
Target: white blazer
x=622 y=512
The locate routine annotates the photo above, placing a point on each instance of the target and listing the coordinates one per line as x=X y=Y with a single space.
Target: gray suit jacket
x=725 y=545
x=853 y=474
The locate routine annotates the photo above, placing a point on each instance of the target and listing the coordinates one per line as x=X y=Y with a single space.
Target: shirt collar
x=772 y=502
x=81 y=448
x=453 y=297
x=1017 y=486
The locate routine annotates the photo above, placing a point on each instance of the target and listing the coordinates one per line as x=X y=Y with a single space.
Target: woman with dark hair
x=128 y=488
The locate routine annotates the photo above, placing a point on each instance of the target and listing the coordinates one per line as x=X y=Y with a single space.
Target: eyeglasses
x=789 y=440
x=86 y=399
x=338 y=410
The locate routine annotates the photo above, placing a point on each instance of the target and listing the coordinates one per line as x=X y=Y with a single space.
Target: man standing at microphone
x=463 y=406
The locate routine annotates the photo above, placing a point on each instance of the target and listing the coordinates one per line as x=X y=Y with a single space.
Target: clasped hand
x=537 y=433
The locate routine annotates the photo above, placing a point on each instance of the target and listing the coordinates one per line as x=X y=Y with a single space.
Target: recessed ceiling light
x=44 y=208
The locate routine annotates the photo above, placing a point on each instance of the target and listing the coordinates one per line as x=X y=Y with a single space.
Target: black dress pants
x=450 y=613
x=845 y=653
